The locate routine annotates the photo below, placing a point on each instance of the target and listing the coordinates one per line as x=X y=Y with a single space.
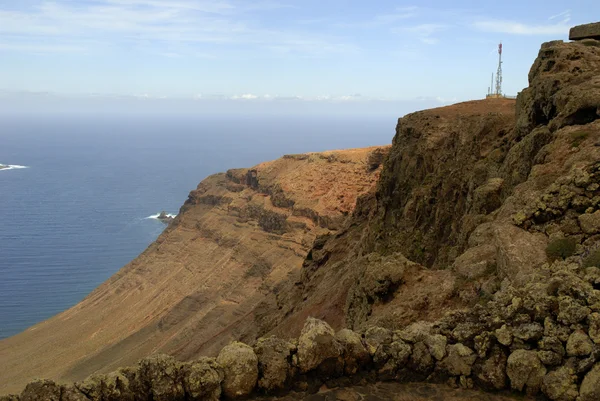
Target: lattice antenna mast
x=499 y=73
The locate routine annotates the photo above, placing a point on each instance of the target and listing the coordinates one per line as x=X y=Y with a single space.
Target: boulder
x=202 y=379
x=561 y=385
x=355 y=354
x=375 y=337
x=421 y=360
x=571 y=311
x=504 y=335
x=459 y=361
x=162 y=374
x=317 y=345
x=590 y=387
x=274 y=363
x=240 y=368
x=491 y=373
x=594 y=327
x=585 y=31
x=114 y=386
x=45 y=390
x=590 y=222
x=518 y=252
x=525 y=371
x=436 y=344
x=579 y=344
x=389 y=358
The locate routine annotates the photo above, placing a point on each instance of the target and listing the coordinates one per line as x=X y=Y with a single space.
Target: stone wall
x=540 y=339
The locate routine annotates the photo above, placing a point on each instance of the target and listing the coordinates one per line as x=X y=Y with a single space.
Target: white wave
x=11 y=167
x=155 y=216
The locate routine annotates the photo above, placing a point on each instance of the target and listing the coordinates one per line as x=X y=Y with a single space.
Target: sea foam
x=11 y=167
x=155 y=216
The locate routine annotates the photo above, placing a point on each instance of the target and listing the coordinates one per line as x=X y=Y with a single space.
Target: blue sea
x=79 y=211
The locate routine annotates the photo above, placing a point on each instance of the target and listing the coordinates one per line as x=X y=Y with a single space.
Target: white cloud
x=246 y=96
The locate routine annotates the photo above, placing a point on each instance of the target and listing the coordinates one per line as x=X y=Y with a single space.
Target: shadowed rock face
x=193 y=290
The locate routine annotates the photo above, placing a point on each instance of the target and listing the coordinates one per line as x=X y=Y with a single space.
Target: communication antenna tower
x=499 y=73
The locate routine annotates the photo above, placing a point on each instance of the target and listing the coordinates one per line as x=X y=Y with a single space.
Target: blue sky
x=270 y=50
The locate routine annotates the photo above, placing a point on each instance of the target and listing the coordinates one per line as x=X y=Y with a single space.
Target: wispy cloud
x=426 y=33
x=560 y=27
x=160 y=21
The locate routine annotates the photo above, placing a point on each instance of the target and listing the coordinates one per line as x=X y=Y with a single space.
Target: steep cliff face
x=470 y=197
x=194 y=289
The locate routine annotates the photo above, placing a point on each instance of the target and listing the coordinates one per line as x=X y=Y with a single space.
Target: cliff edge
x=194 y=289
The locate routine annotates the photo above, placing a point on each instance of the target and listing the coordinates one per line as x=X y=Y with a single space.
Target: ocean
x=78 y=204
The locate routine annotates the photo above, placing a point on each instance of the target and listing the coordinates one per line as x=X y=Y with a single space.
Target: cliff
x=474 y=261
x=194 y=289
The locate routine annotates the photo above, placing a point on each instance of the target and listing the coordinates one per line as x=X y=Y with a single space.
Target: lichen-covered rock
x=594 y=327
x=240 y=368
x=274 y=363
x=414 y=332
x=202 y=379
x=421 y=360
x=492 y=372
x=483 y=343
x=525 y=370
x=436 y=344
x=550 y=358
x=528 y=331
x=554 y=329
x=504 y=335
x=459 y=361
x=114 y=386
x=11 y=397
x=590 y=387
x=590 y=223
x=579 y=344
x=45 y=390
x=571 y=311
x=561 y=385
x=161 y=373
x=317 y=345
x=355 y=354
x=375 y=337
x=389 y=358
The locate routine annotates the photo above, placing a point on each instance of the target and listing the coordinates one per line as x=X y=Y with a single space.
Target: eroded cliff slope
x=194 y=289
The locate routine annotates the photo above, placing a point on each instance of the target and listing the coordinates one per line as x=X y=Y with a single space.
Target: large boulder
x=318 y=347
x=525 y=370
x=274 y=363
x=202 y=379
x=355 y=354
x=161 y=373
x=377 y=336
x=561 y=385
x=45 y=390
x=240 y=367
x=590 y=387
x=389 y=358
x=114 y=386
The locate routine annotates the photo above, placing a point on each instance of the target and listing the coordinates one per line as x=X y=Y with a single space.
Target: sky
x=326 y=53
